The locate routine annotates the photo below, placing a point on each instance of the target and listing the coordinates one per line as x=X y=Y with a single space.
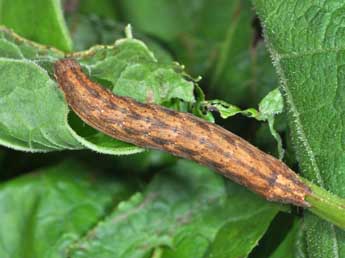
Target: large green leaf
x=34 y=116
x=186 y=210
x=39 y=20
x=306 y=40
x=44 y=212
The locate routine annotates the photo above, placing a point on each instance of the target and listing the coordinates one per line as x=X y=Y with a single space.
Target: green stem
x=326 y=205
x=157 y=253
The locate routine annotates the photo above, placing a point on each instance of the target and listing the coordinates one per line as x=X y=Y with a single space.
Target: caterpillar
x=181 y=134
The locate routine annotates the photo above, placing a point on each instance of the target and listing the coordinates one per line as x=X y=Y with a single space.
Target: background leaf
x=215 y=39
x=104 y=8
x=44 y=212
x=289 y=247
x=90 y=30
x=183 y=205
x=40 y=20
x=307 y=52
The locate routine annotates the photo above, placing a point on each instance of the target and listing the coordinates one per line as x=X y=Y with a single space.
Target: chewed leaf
x=227 y=110
x=270 y=106
x=34 y=115
x=199 y=105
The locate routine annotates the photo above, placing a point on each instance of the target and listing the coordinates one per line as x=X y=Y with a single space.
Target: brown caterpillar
x=181 y=134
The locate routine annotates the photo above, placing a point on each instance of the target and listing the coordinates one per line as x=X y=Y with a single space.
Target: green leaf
x=289 y=248
x=47 y=210
x=306 y=45
x=87 y=31
x=34 y=116
x=270 y=106
x=227 y=110
x=39 y=20
x=133 y=71
x=243 y=235
x=104 y=8
x=213 y=39
x=16 y=47
x=188 y=211
x=143 y=14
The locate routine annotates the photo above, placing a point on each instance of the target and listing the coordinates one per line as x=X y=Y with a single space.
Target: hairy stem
x=326 y=205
